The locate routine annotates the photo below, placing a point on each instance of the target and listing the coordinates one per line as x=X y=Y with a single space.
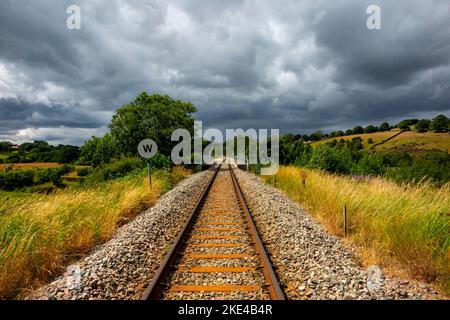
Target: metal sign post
x=147 y=149
x=149 y=171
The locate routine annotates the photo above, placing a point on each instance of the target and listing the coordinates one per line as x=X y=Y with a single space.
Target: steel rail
x=156 y=285
x=161 y=273
x=274 y=288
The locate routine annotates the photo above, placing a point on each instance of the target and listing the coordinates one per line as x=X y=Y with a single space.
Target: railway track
x=218 y=254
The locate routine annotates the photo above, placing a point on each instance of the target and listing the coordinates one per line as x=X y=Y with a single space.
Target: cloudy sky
x=294 y=65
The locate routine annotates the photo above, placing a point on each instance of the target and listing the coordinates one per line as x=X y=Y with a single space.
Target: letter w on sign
x=147 y=148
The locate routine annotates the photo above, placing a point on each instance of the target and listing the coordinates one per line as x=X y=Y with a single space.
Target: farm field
x=416 y=141
x=406 y=141
x=25 y=166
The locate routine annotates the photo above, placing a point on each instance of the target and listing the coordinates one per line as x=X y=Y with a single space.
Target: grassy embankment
x=40 y=234
x=402 y=227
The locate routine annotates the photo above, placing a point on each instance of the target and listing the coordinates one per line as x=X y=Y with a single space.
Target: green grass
x=40 y=234
x=402 y=227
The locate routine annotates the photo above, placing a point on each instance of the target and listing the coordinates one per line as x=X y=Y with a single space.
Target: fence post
x=345 y=221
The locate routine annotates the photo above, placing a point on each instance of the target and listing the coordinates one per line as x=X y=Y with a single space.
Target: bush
x=334 y=160
x=12 y=180
x=160 y=161
x=117 y=169
x=433 y=165
x=83 y=172
x=370 y=164
x=48 y=175
x=355 y=144
x=65 y=169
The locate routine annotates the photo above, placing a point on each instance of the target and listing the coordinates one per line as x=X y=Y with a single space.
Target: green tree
x=358 y=130
x=316 y=136
x=385 y=126
x=349 y=132
x=406 y=124
x=330 y=159
x=5 y=146
x=440 y=123
x=370 y=129
x=99 y=150
x=370 y=164
x=355 y=144
x=423 y=125
x=150 y=117
x=66 y=154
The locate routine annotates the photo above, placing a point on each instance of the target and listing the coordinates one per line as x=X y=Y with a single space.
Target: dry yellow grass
x=405 y=227
x=40 y=234
x=412 y=140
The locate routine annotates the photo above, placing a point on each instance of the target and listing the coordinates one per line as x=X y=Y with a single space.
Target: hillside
x=411 y=141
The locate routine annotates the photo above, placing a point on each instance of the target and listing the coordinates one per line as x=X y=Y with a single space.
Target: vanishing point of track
x=218 y=253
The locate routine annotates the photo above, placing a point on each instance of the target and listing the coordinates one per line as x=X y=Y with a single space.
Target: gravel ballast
x=311 y=263
x=124 y=266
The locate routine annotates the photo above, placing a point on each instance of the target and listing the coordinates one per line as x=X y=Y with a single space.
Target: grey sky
x=294 y=65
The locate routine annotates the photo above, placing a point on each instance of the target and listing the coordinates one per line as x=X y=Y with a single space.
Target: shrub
x=355 y=144
x=160 y=161
x=48 y=175
x=370 y=164
x=117 y=169
x=331 y=159
x=433 y=165
x=12 y=180
x=83 y=172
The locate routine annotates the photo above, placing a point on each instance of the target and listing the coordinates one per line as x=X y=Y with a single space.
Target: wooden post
x=303 y=175
x=345 y=221
x=149 y=171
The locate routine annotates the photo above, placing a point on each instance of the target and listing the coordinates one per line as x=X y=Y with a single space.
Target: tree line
x=438 y=124
x=38 y=151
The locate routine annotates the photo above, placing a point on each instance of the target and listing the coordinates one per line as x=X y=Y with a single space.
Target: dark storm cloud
x=294 y=65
